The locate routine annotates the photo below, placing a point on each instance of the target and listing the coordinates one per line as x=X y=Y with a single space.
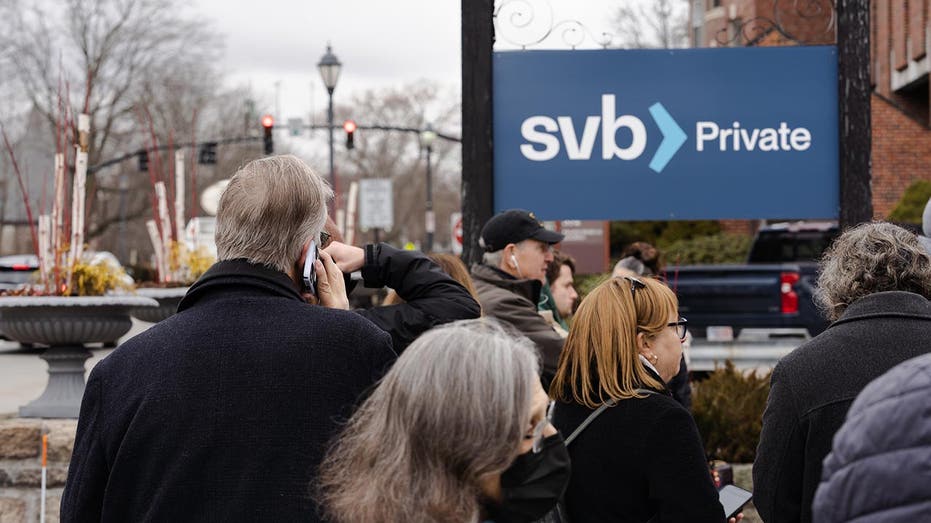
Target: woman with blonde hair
x=457 y=431
x=640 y=458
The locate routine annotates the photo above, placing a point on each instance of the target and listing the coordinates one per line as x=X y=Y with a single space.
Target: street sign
x=455 y=232
x=376 y=203
x=687 y=134
x=295 y=126
x=588 y=241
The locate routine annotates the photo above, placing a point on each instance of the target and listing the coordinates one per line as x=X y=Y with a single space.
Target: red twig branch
x=23 y=190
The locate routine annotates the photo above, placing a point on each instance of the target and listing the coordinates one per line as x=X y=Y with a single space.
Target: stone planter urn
x=65 y=324
x=167 y=298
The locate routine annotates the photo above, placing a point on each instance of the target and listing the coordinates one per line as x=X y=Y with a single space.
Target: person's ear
x=511 y=251
x=643 y=343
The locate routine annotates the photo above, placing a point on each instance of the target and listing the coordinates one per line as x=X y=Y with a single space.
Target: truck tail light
x=787 y=281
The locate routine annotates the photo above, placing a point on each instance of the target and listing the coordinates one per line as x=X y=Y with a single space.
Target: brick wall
x=21 y=467
x=901 y=154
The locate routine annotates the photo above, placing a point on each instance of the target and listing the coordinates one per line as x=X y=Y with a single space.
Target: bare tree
x=652 y=24
x=117 y=59
x=400 y=156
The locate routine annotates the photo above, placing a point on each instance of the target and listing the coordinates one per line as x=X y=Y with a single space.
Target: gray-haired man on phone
x=222 y=411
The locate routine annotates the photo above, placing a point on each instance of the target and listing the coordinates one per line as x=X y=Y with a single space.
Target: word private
x=737 y=138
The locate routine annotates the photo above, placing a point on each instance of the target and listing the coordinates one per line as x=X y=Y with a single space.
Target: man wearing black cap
x=508 y=281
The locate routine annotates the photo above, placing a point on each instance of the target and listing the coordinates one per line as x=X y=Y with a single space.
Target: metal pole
x=429 y=216
x=329 y=121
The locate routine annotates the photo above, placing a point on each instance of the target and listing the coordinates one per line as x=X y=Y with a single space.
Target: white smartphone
x=310 y=272
x=733 y=498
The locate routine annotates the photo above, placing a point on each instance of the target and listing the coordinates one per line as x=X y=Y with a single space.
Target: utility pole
x=853 y=78
x=478 y=38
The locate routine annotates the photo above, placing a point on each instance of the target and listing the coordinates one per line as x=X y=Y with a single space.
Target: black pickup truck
x=773 y=290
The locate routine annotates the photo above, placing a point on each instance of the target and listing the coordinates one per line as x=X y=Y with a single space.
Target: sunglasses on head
x=681 y=326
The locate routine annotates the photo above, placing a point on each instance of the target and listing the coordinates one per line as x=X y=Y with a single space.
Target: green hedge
x=912 y=204
x=717 y=248
x=728 y=409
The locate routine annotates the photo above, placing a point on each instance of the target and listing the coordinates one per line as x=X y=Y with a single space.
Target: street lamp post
x=329 y=67
x=427 y=136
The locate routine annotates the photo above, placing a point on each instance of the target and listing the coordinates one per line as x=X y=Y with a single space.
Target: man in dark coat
x=873 y=282
x=222 y=412
x=518 y=250
x=879 y=464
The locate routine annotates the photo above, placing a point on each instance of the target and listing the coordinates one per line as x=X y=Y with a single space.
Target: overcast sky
x=381 y=43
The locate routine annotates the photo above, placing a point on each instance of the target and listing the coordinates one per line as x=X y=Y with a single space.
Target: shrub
x=912 y=204
x=659 y=233
x=728 y=409
x=96 y=279
x=717 y=248
x=585 y=284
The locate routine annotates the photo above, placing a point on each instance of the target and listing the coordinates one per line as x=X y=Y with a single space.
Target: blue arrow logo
x=673 y=137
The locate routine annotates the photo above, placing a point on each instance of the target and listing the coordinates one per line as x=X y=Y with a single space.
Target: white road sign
x=376 y=204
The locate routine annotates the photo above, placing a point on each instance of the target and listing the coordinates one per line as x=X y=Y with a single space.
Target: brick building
x=899 y=40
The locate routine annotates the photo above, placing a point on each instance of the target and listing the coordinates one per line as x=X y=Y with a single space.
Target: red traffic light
x=268 y=121
x=349 y=126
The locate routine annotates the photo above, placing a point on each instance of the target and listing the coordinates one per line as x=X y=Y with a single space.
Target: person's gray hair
x=269 y=209
x=870 y=258
x=451 y=411
x=493 y=259
x=630 y=263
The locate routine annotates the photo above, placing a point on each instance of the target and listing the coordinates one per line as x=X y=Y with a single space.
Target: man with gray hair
x=873 y=284
x=509 y=280
x=222 y=411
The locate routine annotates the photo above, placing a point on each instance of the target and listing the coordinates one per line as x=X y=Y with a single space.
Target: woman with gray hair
x=874 y=283
x=457 y=431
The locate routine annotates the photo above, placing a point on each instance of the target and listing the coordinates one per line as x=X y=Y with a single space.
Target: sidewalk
x=23 y=374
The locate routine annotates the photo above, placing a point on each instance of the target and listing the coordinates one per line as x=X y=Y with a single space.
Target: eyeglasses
x=682 y=327
x=324 y=239
x=539 y=427
x=635 y=285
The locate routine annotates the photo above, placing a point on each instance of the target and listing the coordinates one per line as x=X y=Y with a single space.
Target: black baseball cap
x=513 y=226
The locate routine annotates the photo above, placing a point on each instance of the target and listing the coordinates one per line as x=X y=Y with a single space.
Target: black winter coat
x=432 y=297
x=221 y=412
x=812 y=388
x=880 y=465
x=636 y=460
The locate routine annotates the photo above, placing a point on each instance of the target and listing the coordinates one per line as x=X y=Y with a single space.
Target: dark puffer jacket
x=880 y=466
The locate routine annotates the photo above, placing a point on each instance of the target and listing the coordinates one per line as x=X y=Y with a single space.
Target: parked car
x=17 y=270
x=774 y=289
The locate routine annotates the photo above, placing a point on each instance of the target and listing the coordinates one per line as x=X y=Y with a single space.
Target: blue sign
x=740 y=133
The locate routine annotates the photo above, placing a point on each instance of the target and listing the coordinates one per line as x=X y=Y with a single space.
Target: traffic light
x=143 y=158
x=350 y=127
x=268 y=123
x=207 y=154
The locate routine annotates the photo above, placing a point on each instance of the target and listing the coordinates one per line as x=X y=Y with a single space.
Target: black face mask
x=533 y=484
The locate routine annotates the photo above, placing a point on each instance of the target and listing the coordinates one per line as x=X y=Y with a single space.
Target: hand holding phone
x=733 y=498
x=310 y=271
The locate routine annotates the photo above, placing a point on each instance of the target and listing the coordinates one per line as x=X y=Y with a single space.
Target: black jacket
x=221 y=412
x=813 y=387
x=641 y=458
x=879 y=468
x=432 y=297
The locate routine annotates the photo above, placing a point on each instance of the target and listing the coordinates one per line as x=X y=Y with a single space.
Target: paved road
x=23 y=375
